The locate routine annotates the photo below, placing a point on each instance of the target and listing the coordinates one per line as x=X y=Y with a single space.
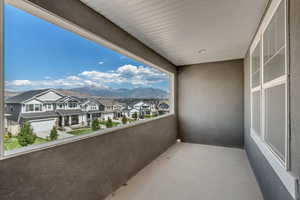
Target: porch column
x=62 y=121
x=70 y=121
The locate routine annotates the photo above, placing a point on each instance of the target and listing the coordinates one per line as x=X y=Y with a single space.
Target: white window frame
x=63 y=23
x=34 y=106
x=281 y=168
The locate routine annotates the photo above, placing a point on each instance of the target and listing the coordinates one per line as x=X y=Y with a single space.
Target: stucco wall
x=88 y=169
x=295 y=84
x=210 y=103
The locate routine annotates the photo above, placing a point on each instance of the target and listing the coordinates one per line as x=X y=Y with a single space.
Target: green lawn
x=81 y=131
x=12 y=143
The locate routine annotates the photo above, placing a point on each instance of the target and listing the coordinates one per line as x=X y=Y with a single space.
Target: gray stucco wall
x=210 y=103
x=295 y=84
x=271 y=186
x=88 y=169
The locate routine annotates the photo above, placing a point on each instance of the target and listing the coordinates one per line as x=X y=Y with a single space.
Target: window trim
x=2 y=104
x=66 y=24
x=281 y=169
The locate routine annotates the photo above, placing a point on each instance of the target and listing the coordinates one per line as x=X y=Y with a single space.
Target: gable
x=49 y=96
x=33 y=101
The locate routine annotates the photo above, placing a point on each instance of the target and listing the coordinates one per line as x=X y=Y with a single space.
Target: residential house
x=108 y=111
x=47 y=108
x=163 y=107
x=118 y=109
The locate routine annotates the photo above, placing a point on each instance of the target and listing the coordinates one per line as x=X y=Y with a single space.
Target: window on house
x=269 y=91
x=55 y=74
x=29 y=107
x=48 y=106
x=275 y=83
x=37 y=107
x=72 y=105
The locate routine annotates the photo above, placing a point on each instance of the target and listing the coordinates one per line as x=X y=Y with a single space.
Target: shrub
x=26 y=135
x=95 y=125
x=53 y=134
x=134 y=116
x=8 y=135
x=109 y=123
x=124 y=119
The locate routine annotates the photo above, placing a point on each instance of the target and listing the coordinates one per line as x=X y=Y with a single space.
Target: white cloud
x=74 y=78
x=130 y=74
x=102 y=76
x=20 y=83
x=101 y=63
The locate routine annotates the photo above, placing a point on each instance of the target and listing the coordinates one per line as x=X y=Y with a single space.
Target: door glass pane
x=275 y=67
x=275 y=119
x=274 y=35
x=256 y=66
x=256 y=112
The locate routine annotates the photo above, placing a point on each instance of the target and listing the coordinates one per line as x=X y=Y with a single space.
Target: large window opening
x=269 y=86
x=59 y=85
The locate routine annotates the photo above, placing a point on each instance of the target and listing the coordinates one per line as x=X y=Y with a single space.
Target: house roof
x=93 y=111
x=106 y=102
x=24 y=96
x=70 y=112
x=38 y=115
x=20 y=98
x=141 y=103
x=69 y=99
x=89 y=99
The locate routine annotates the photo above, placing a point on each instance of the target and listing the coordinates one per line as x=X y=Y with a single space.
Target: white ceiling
x=178 y=29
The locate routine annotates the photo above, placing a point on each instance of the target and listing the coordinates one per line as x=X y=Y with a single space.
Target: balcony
x=229 y=130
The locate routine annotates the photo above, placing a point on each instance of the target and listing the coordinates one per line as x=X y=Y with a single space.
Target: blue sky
x=39 y=54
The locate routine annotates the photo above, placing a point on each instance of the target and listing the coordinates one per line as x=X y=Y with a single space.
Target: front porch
x=68 y=118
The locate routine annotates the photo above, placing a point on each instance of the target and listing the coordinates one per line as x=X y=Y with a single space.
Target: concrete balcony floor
x=193 y=172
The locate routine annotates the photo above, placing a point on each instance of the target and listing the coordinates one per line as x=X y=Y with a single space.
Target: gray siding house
x=46 y=108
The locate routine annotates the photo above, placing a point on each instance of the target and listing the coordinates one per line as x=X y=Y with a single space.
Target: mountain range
x=142 y=93
x=139 y=93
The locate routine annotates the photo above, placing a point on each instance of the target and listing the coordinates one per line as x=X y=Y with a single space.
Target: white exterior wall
x=83 y=119
x=105 y=116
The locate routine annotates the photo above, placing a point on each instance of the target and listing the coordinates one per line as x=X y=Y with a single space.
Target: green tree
x=53 y=134
x=134 y=116
x=124 y=119
x=109 y=123
x=26 y=135
x=95 y=125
